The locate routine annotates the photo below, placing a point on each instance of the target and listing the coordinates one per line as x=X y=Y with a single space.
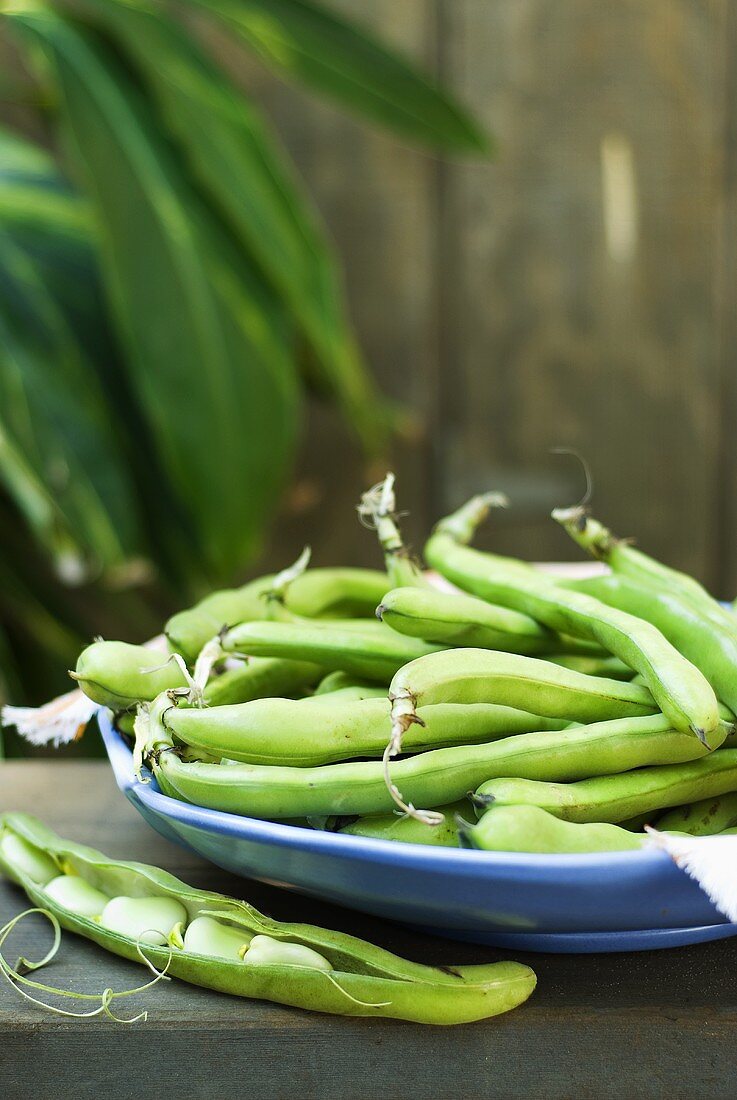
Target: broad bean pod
x=292 y=964
x=627 y=561
x=311 y=732
x=336 y=681
x=431 y=778
x=710 y=646
x=400 y=827
x=349 y=694
x=681 y=691
x=614 y=798
x=702 y=818
x=456 y=620
x=610 y=667
x=534 y=830
x=119 y=676
x=369 y=650
x=477 y=675
x=334 y=593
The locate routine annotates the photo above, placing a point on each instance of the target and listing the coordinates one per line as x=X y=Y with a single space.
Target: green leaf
x=209 y=351
x=58 y=457
x=234 y=160
x=25 y=160
x=41 y=623
x=306 y=42
x=32 y=498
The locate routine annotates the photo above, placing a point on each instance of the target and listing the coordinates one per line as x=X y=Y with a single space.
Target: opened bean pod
x=145 y=914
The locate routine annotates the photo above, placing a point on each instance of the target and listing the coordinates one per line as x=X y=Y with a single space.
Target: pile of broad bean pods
x=520 y=713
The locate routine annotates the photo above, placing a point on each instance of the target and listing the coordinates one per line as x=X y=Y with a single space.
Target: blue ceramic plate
x=628 y=901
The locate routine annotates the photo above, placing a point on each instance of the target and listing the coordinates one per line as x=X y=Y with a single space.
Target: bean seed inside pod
x=266 y=951
x=149 y=920
x=77 y=895
x=28 y=859
x=207 y=936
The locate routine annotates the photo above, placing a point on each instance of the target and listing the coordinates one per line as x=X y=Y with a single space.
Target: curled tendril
x=16 y=976
x=589 y=492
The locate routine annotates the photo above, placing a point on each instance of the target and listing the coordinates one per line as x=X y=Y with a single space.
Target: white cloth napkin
x=709 y=860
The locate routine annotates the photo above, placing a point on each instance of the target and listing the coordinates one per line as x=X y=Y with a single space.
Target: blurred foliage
x=167 y=293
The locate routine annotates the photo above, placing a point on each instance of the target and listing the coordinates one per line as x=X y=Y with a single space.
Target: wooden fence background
x=577 y=290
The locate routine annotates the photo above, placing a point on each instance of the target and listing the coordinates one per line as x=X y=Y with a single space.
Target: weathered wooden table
x=662 y=1024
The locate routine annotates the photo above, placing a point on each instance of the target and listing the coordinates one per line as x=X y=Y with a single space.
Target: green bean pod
x=479 y=675
x=710 y=646
x=615 y=798
x=400 y=827
x=119 y=676
x=703 y=818
x=534 y=830
x=369 y=650
x=429 y=779
x=310 y=732
x=681 y=691
x=297 y=964
x=317 y=592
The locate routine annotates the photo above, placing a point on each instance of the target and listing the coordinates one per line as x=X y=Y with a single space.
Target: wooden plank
x=657 y=1025
x=726 y=525
x=376 y=195
x=579 y=268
